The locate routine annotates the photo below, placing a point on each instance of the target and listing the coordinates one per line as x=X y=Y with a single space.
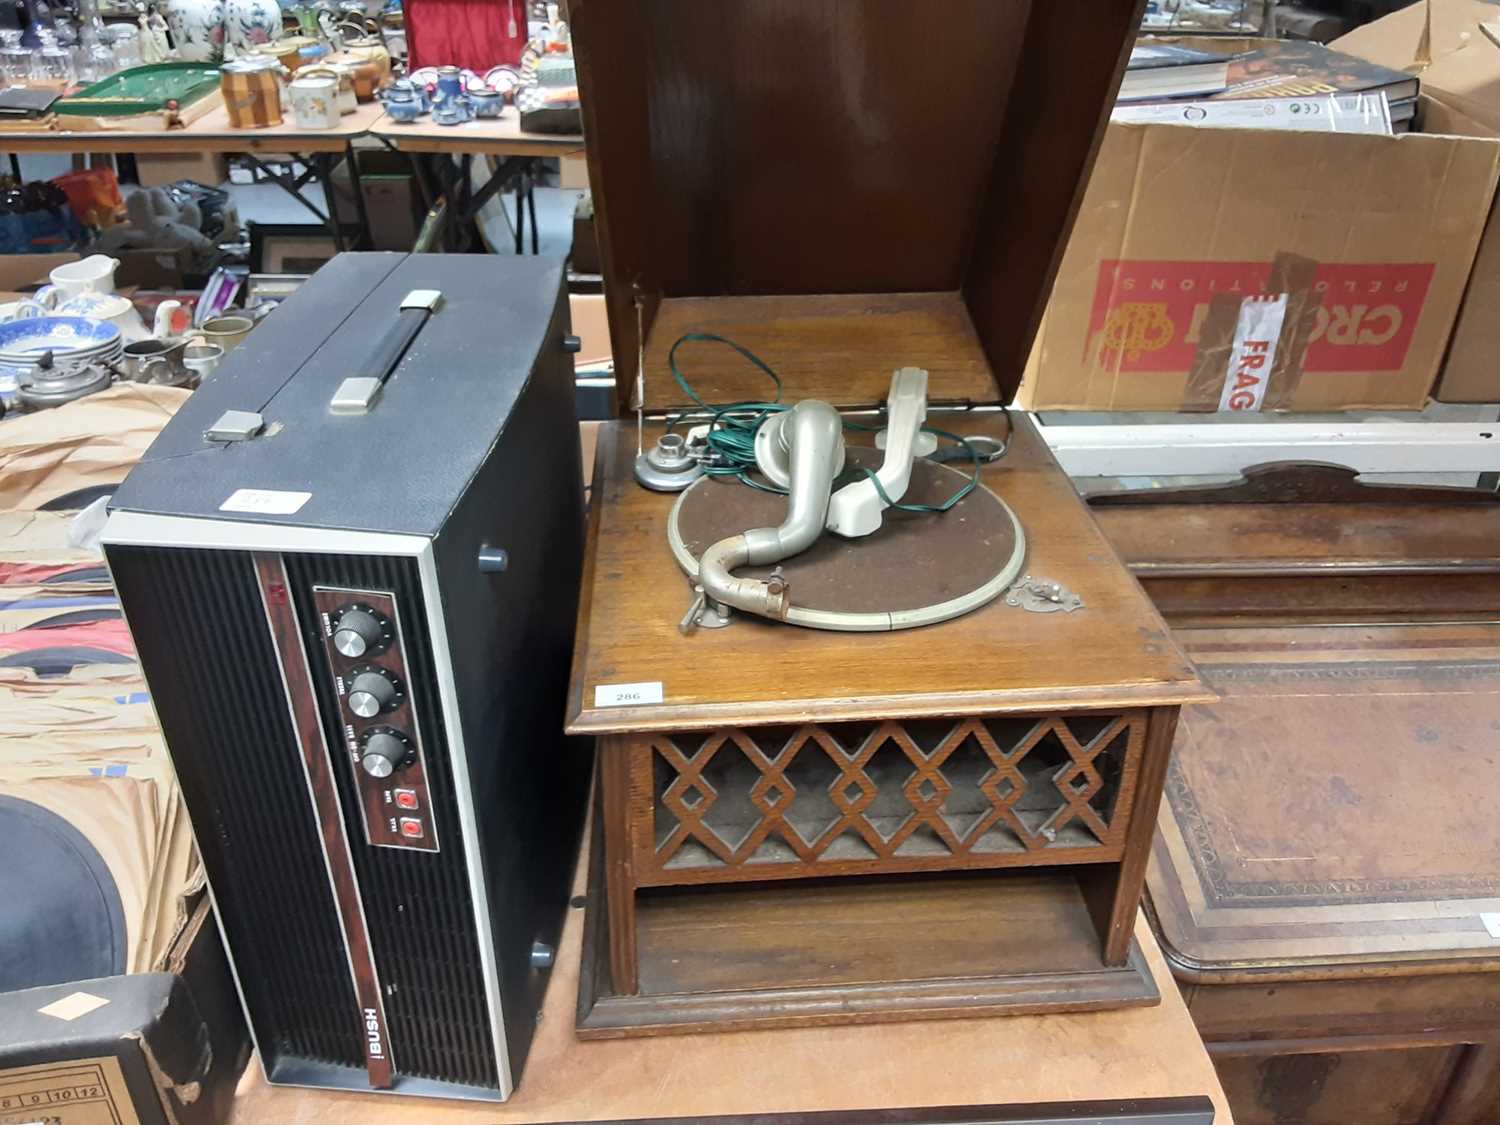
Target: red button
x=406 y=798
x=411 y=828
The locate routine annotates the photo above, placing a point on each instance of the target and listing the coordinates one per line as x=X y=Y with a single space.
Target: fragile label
x=265 y=501
x=1253 y=352
x=1492 y=924
x=1149 y=315
x=627 y=695
x=73 y=1005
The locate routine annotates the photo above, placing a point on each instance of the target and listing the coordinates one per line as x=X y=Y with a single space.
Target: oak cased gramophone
x=799 y=825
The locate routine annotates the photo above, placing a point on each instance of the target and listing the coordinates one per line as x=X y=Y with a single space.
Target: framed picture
x=289 y=248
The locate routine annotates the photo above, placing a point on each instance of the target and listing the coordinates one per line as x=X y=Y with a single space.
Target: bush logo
x=374 y=1043
x=1147 y=315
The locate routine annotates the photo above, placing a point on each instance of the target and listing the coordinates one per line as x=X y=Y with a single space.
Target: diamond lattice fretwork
x=888 y=796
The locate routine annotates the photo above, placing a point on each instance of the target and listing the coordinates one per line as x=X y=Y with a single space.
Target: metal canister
x=251 y=86
x=315 y=101
x=341 y=74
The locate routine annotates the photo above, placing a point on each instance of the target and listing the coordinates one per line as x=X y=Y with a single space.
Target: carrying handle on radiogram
x=359 y=392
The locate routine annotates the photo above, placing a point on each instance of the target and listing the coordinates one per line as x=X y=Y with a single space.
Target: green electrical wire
x=732 y=429
x=731 y=434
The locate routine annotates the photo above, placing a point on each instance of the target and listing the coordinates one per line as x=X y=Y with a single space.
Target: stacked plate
x=72 y=340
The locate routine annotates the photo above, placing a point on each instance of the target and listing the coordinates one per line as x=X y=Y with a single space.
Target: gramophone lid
x=844 y=188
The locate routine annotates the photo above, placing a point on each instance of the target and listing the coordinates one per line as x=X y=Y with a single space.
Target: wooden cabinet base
x=854 y=951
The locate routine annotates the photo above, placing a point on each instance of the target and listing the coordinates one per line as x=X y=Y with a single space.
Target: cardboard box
x=591 y=325
x=161 y=1048
x=1256 y=270
x=588 y=442
x=1460 y=72
x=391 y=204
x=22 y=272
x=573 y=171
x=144 y=269
x=1470 y=373
x=157 y=169
x=392 y=200
x=585 y=255
x=158 y=268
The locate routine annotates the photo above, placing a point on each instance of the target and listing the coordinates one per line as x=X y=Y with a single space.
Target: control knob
x=383 y=752
x=372 y=691
x=358 y=631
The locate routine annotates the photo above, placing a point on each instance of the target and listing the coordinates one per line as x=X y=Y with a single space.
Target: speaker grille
x=248 y=786
x=200 y=630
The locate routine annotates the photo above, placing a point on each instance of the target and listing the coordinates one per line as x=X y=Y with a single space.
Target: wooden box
x=1324 y=880
x=803 y=826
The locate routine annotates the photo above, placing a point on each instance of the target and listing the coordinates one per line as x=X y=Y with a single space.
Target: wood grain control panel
x=362 y=634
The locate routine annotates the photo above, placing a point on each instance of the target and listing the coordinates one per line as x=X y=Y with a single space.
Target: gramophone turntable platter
x=918 y=569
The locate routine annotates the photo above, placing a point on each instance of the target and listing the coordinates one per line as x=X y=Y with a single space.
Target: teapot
x=112 y=307
x=49 y=385
x=371 y=48
x=404 y=100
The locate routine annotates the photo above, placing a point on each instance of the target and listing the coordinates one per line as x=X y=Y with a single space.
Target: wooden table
x=500 y=136
x=1103 y=1056
x=213 y=133
x=320 y=149
x=210 y=133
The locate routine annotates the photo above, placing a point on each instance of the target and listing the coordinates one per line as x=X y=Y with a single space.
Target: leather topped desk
x=1324 y=875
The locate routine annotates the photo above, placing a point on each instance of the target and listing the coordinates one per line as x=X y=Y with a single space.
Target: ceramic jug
x=94 y=274
x=156 y=361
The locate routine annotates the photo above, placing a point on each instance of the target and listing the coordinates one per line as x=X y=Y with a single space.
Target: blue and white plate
x=10 y=382
x=62 y=334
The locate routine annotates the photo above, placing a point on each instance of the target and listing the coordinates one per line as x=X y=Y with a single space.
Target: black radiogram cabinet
x=356 y=624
